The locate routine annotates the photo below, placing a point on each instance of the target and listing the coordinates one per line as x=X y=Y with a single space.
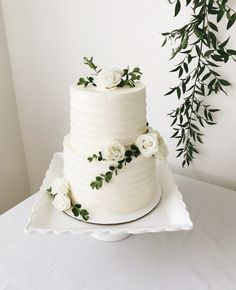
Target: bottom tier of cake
x=132 y=189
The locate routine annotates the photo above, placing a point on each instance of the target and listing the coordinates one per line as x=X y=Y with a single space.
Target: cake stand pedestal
x=110 y=237
x=169 y=215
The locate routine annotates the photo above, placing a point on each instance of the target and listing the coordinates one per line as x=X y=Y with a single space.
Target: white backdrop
x=47 y=40
x=13 y=175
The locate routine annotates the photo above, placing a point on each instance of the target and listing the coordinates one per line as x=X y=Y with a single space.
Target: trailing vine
x=202 y=52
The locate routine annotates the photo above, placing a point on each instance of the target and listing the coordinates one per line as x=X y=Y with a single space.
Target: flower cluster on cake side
x=150 y=145
x=60 y=192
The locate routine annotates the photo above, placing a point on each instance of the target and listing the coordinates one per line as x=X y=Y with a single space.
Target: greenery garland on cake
x=202 y=53
x=126 y=158
x=149 y=144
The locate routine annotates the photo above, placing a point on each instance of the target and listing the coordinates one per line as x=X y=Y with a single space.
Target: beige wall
x=47 y=40
x=13 y=178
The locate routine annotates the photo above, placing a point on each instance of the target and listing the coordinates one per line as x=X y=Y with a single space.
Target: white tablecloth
x=204 y=258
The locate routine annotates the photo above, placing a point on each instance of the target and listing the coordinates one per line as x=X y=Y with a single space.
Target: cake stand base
x=110 y=237
x=170 y=214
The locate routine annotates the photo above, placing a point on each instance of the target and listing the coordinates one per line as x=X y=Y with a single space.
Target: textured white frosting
x=98 y=116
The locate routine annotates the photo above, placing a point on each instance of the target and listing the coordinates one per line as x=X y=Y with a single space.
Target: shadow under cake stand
x=166 y=214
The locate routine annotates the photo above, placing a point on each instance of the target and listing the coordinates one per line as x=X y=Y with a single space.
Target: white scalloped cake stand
x=170 y=214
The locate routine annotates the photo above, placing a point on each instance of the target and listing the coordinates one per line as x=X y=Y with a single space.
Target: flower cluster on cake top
x=109 y=79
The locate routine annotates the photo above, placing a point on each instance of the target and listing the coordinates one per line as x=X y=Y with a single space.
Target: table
x=204 y=258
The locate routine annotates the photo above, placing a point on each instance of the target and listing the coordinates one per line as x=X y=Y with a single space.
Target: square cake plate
x=170 y=214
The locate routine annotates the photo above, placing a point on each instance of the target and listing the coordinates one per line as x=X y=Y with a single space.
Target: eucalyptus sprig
x=78 y=210
x=96 y=157
x=202 y=52
x=132 y=152
x=129 y=77
x=89 y=80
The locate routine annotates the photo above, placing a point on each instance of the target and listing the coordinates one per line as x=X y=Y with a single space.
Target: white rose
x=108 y=79
x=163 y=151
x=60 y=185
x=119 y=71
x=61 y=202
x=114 y=151
x=147 y=144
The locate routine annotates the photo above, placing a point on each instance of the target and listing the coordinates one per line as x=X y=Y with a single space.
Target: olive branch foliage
x=201 y=52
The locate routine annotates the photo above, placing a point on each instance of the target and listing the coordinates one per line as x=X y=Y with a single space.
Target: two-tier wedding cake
x=109 y=154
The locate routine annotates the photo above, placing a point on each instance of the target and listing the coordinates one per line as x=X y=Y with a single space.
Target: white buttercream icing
x=98 y=116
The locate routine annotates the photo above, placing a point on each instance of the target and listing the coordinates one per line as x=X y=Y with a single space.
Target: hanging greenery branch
x=202 y=53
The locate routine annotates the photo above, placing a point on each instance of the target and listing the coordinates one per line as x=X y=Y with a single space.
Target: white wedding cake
x=109 y=154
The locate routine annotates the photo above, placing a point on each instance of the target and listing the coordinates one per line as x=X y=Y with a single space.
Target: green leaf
x=231 y=51
x=201 y=71
x=181 y=72
x=175 y=69
x=198 y=50
x=195 y=127
x=128 y=159
x=75 y=211
x=178 y=93
x=223 y=44
x=210 y=123
x=128 y=153
x=175 y=134
x=164 y=42
x=213 y=39
x=175 y=119
x=164 y=34
x=187 y=2
x=183 y=87
x=198 y=32
x=224 y=82
x=199 y=139
x=206 y=76
x=212 y=26
x=212 y=63
x=231 y=21
x=177 y=7
x=86 y=217
x=133 y=147
x=208 y=53
x=170 y=92
x=220 y=14
x=185 y=67
x=83 y=212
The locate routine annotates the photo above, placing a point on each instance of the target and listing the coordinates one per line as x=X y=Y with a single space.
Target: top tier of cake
x=98 y=116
